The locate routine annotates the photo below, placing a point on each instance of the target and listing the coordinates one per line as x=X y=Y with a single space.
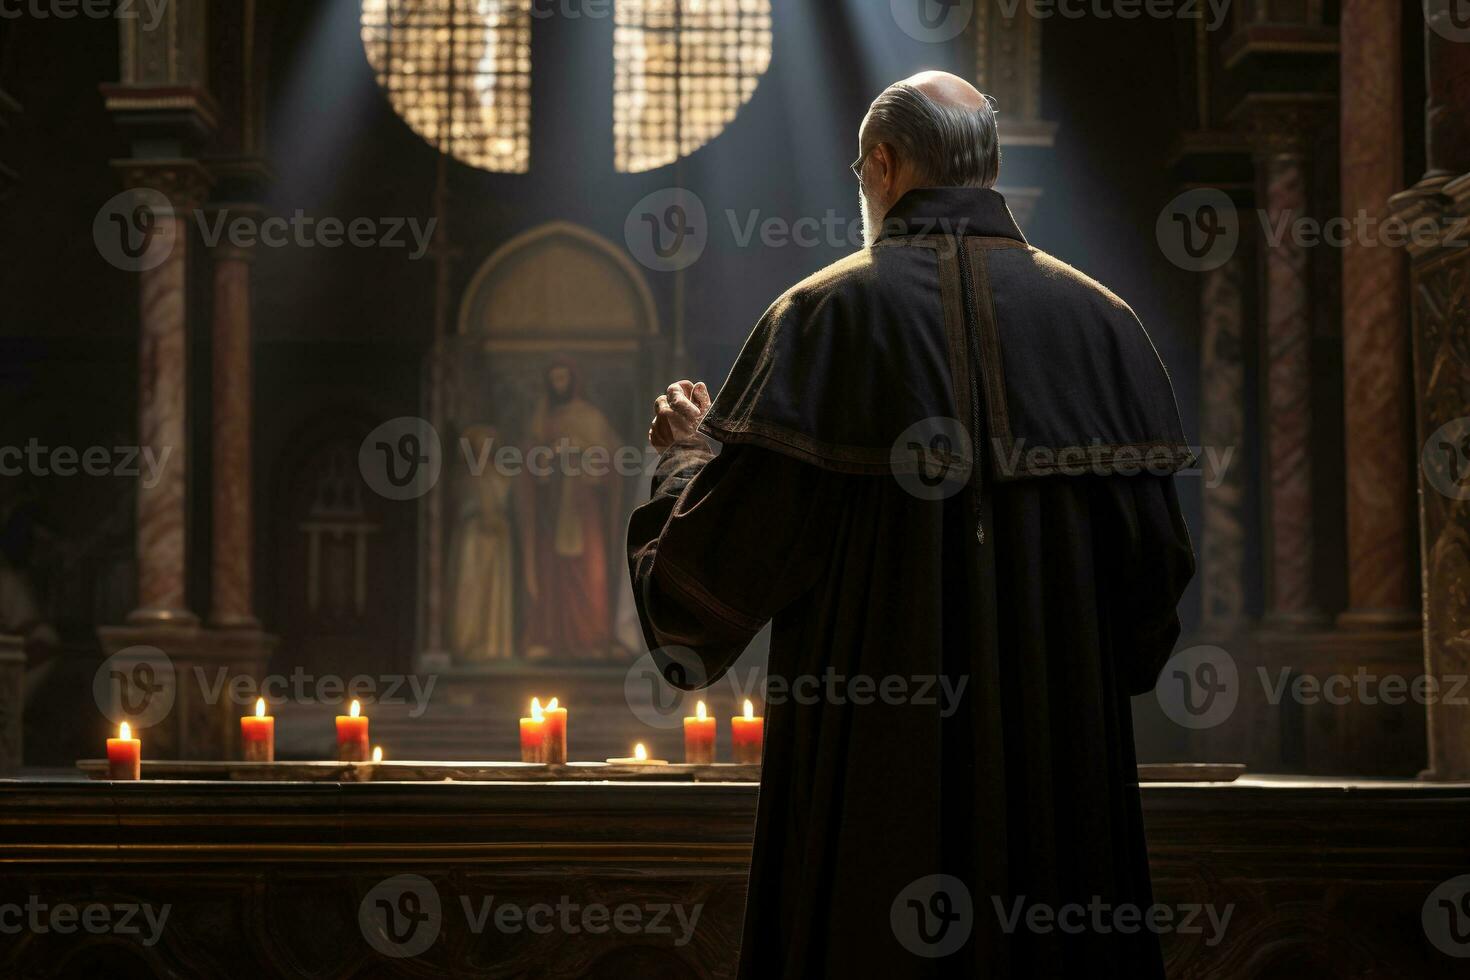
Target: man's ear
x=889 y=174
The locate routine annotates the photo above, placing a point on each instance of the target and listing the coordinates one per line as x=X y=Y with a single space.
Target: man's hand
x=677 y=413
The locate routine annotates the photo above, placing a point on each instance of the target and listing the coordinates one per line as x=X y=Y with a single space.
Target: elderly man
x=947 y=482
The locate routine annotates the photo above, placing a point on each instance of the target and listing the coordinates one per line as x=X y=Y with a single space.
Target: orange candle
x=533 y=734
x=556 y=733
x=124 y=755
x=258 y=735
x=699 y=737
x=352 y=735
x=639 y=758
x=747 y=735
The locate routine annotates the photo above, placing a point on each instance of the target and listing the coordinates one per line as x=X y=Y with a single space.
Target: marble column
x=1438 y=207
x=163 y=393
x=1222 y=429
x=1291 y=552
x=1378 y=404
x=231 y=581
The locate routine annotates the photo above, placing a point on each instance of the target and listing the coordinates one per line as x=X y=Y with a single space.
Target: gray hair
x=946 y=145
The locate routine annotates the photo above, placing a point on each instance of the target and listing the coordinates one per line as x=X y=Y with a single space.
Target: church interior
x=303 y=302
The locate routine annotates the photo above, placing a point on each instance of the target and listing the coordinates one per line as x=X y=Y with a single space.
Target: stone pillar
x=231 y=567
x=1222 y=428
x=1438 y=208
x=1378 y=403
x=163 y=387
x=1291 y=552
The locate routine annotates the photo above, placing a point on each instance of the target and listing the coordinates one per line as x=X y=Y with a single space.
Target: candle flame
x=260 y=707
x=640 y=753
x=749 y=710
x=700 y=711
x=356 y=708
x=551 y=705
x=536 y=713
x=124 y=731
x=377 y=753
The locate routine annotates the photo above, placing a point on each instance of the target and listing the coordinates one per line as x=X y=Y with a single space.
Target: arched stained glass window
x=459 y=73
x=684 y=69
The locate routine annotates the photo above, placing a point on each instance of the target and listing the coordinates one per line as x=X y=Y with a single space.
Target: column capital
x=185 y=182
x=1284 y=123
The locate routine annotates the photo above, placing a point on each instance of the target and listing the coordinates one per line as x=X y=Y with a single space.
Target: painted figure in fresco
x=574 y=495
x=482 y=558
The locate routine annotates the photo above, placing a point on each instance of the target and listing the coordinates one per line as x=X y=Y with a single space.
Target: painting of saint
x=483 y=555
x=573 y=503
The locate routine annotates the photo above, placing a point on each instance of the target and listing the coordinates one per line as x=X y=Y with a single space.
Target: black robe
x=848 y=509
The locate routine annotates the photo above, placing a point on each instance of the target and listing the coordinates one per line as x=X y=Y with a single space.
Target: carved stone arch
x=558 y=281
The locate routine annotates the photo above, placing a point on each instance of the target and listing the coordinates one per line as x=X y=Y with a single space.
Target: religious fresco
x=542 y=404
x=534 y=518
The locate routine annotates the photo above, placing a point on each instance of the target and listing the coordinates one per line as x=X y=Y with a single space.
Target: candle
x=533 y=734
x=124 y=755
x=258 y=735
x=377 y=753
x=640 y=758
x=352 y=735
x=699 y=737
x=556 y=734
x=746 y=735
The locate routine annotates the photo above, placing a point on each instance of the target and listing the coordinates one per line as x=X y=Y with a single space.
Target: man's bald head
x=940 y=128
x=946 y=89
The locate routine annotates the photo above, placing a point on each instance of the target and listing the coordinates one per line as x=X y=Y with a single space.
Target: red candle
x=533 y=734
x=699 y=737
x=746 y=736
x=124 y=755
x=258 y=735
x=352 y=735
x=556 y=733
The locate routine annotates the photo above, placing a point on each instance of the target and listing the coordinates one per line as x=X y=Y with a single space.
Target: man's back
x=949 y=763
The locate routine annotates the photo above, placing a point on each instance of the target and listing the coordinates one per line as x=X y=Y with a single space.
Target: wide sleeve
x=724 y=544
x=1152 y=562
